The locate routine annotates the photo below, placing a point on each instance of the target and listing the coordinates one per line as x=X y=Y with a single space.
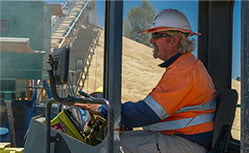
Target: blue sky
x=236 y=39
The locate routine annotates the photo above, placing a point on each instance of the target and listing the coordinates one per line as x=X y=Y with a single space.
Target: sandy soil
x=140 y=72
x=236 y=123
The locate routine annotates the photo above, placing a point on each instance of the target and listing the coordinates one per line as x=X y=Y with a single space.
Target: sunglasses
x=158 y=35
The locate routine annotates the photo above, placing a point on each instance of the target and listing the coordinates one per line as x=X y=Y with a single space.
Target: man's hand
x=92 y=108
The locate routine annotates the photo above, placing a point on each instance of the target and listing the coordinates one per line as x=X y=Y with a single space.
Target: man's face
x=160 y=42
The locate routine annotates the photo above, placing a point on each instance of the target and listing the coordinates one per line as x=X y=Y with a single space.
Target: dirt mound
x=140 y=71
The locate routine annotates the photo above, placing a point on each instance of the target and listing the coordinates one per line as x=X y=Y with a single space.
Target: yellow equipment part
x=62 y=123
x=99 y=89
x=14 y=150
x=3 y=145
x=92 y=133
x=5 y=148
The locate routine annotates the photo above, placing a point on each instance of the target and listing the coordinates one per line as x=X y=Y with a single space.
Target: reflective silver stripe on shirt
x=182 y=123
x=207 y=106
x=156 y=107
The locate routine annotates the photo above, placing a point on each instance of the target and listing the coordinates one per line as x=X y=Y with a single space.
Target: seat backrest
x=224 y=116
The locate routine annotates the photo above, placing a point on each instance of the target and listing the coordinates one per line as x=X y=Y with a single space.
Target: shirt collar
x=170 y=61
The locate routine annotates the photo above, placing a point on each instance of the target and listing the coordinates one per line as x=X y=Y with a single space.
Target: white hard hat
x=170 y=19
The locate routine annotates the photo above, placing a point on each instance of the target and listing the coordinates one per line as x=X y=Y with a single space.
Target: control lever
x=82 y=93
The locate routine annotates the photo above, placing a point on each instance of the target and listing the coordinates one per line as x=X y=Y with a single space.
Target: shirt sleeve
x=134 y=114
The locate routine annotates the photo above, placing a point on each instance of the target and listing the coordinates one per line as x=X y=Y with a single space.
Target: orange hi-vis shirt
x=184 y=98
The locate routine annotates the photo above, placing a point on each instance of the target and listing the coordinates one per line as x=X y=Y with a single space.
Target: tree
x=126 y=28
x=140 y=18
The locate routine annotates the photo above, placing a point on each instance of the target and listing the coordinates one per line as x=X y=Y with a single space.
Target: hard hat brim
x=160 y=29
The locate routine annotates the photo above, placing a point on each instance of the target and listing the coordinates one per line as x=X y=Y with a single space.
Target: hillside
x=140 y=71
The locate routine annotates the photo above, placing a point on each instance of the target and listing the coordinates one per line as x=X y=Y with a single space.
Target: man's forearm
x=134 y=114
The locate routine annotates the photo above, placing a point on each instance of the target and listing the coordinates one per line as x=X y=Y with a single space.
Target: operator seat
x=224 y=116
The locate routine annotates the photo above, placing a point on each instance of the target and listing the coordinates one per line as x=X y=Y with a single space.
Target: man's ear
x=175 y=40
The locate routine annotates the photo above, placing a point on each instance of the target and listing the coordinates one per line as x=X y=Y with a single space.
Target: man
x=177 y=115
